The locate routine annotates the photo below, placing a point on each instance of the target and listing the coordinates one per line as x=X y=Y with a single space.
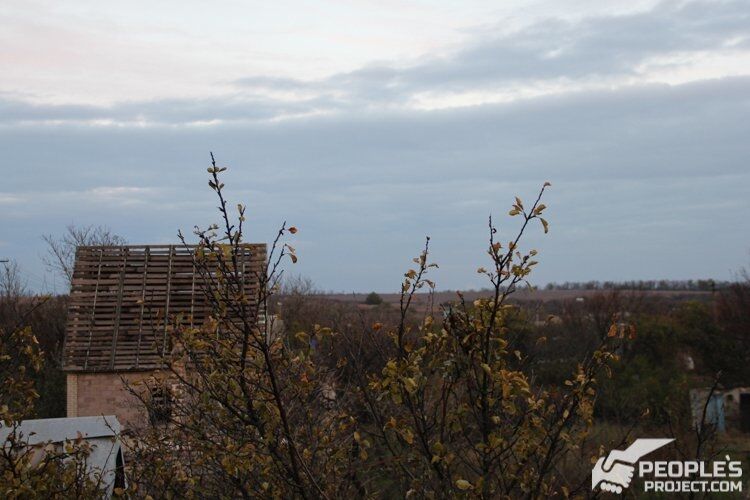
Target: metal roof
x=59 y=429
x=105 y=463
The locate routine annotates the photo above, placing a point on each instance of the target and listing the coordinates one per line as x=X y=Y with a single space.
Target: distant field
x=525 y=295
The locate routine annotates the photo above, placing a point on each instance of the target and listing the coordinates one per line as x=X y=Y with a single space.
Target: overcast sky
x=370 y=124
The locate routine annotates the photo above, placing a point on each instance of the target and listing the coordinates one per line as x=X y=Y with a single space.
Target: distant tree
x=12 y=284
x=297 y=285
x=719 y=333
x=296 y=303
x=373 y=299
x=647 y=376
x=46 y=316
x=61 y=251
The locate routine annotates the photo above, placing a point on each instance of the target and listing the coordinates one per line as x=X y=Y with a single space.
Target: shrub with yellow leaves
x=453 y=410
x=41 y=470
x=431 y=408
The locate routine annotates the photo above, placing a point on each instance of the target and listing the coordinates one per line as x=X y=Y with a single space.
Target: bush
x=373 y=299
x=419 y=403
x=41 y=470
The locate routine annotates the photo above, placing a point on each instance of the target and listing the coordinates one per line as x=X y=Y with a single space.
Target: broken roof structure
x=123 y=298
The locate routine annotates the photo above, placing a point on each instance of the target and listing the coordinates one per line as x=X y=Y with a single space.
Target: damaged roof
x=123 y=300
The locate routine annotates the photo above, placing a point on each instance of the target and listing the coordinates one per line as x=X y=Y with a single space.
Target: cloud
x=164 y=112
x=10 y=199
x=554 y=51
x=668 y=44
x=641 y=175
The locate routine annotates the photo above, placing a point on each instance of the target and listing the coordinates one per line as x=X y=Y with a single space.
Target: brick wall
x=92 y=394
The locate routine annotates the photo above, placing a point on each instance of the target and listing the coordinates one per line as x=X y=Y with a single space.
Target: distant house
x=104 y=465
x=122 y=304
x=727 y=409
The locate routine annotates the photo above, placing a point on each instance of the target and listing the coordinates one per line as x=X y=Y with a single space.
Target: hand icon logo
x=617 y=478
x=615 y=472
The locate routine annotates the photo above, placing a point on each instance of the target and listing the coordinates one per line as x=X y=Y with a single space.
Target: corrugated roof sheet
x=105 y=462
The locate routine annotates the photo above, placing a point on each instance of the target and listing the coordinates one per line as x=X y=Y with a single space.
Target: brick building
x=123 y=301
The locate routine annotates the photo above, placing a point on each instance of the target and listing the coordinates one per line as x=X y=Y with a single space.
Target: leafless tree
x=296 y=284
x=61 y=251
x=12 y=284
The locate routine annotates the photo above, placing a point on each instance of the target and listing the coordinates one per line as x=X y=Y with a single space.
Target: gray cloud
x=603 y=48
x=648 y=182
x=594 y=47
x=164 y=111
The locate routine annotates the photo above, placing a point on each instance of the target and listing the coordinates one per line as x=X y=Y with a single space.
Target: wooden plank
x=93 y=312
x=118 y=310
x=166 y=308
x=143 y=306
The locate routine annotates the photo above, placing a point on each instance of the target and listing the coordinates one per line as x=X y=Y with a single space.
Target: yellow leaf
x=408 y=436
x=612 y=331
x=631 y=332
x=463 y=484
x=545 y=224
x=410 y=384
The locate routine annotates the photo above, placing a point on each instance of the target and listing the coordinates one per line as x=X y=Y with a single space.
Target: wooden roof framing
x=123 y=298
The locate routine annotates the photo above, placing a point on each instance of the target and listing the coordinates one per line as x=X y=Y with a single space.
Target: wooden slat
x=93 y=310
x=118 y=310
x=143 y=307
x=166 y=308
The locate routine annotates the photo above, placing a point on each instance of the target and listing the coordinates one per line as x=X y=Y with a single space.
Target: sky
x=372 y=124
